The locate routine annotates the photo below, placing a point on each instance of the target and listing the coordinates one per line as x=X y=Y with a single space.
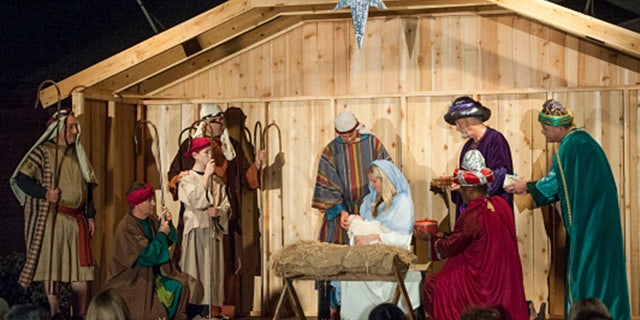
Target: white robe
x=202 y=258
x=358 y=298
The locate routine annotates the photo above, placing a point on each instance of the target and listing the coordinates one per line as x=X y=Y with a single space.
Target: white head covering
x=209 y=110
x=346 y=122
x=85 y=166
x=212 y=110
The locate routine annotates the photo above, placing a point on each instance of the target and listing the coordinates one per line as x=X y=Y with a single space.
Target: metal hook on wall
x=135 y=141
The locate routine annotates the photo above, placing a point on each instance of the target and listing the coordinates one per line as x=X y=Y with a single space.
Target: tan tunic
x=59 y=259
x=202 y=256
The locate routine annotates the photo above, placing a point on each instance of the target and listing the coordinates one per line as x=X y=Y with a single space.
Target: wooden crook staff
x=135 y=141
x=56 y=173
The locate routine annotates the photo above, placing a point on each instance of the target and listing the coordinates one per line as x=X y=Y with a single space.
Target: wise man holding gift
x=483 y=266
x=582 y=180
x=469 y=115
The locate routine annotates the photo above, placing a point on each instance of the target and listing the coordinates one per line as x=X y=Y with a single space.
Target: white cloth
x=359 y=227
x=227 y=147
x=358 y=298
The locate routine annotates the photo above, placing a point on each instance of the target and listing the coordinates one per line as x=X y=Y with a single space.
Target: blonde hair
x=388 y=190
x=108 y=304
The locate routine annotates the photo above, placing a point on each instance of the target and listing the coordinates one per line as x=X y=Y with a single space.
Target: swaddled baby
x=360 y=227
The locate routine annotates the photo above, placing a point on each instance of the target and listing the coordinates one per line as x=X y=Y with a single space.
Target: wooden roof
x=239 y=24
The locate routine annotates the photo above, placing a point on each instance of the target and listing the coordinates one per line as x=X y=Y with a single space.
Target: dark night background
x=54 y=39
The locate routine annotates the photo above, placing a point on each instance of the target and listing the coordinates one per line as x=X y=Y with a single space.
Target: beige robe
x=59 y=259
x=202 y=258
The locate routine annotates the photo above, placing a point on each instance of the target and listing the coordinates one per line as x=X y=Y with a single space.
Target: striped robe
x=342 y=181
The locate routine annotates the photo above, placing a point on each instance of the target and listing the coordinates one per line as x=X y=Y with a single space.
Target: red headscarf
x=138 y=196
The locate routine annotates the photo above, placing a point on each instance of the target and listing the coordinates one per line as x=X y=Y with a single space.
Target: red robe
x=483 y=266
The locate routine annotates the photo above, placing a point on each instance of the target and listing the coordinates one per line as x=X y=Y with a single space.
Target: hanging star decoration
x=359 y=14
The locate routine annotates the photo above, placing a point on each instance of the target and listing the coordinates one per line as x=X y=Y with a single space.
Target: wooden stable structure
x=294 y=65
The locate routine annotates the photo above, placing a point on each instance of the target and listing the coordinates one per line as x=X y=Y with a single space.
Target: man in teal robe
x=141 y=270
x=582 y=180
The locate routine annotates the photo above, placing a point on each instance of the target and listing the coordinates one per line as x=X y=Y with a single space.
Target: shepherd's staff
x=56 y=171
x=262 y=135
x=135 y=141
x=54 y=177
x=212 y=225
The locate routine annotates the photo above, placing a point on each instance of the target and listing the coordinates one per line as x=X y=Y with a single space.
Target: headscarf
x=473 y=171
x=50 y=133
x=212 y=110
x=392 y=219
x=554 y=114
x=346 y=122
x=140 y=195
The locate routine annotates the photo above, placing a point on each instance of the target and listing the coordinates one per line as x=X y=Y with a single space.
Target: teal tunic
x=582 y=180
x=156 y=253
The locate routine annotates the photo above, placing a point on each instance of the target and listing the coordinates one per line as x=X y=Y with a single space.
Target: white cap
x=209 y=110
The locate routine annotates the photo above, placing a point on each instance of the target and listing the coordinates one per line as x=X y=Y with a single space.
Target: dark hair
x=483 y=313
x=27 y=312
x=387 y=311
x=589 y=309
x=136 y=186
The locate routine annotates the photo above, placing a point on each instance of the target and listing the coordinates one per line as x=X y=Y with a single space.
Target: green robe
x=141 y=265
x=582 y=180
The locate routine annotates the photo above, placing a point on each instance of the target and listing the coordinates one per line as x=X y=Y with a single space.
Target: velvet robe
x=483 y=266
x=581 y=178
x=495 y=149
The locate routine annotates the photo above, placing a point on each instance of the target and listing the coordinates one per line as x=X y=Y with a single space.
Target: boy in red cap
x=205 y=223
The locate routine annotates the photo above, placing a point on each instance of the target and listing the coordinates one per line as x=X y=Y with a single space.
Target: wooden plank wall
x=424 y=147
x=399 y=85
x=110 y=148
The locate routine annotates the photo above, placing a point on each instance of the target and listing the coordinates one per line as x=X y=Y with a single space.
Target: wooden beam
x=241 y=24
x=389 y=3
x=214 y=55
x=146 y=50
x=576 y=23
x=175 y=56
x=125 y=67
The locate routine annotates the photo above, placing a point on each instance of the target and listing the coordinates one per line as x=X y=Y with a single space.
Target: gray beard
x=465 y=135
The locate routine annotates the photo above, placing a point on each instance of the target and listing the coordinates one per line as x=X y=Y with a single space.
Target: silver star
x=359 y=14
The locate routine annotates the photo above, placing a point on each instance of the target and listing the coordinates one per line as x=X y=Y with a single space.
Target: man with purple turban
x=468 y=116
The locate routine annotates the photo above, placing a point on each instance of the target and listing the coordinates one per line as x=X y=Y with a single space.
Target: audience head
x=27 y=312
x=4 y=307
x=387 y=311
x=589 y=309
x=108 y=304
x=483 y=313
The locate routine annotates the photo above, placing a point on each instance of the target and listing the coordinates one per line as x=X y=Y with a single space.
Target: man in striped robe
x=58 y=211
x=341 y=184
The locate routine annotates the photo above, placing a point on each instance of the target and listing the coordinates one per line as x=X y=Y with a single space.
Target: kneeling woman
x=389 y=202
